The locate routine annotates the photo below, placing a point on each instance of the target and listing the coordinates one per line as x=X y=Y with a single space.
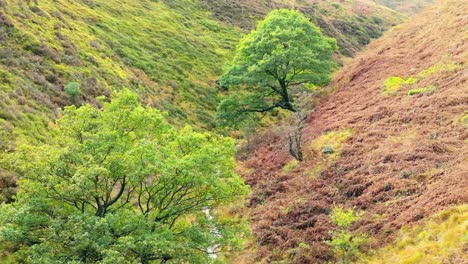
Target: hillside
x=170 y=52
x=390 y=141
x=170 y=55
x=405 y=6
x=352 y=23
x=387 y=138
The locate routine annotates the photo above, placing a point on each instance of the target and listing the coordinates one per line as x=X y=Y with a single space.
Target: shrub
x=290 y=165
x=73 y=90
x=393 y=84
x=344 y=244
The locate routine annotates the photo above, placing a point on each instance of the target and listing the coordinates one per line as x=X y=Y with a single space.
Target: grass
x=326 y=149
x=344 y=21
x=464 y=120
x=170 y=52
x=393 y=84
x=292 y=164
x=423 y=90
x=441 y=239
x=441 y=66
x=331 y=143
x=170 y=55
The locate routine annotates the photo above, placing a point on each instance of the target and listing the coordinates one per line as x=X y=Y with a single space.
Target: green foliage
x=120 y=185
x=336 y=6
x=393 y=84
x=292 y=164
x=344 y=219
x=285 y=51
x=304 y=245
x=344 y=244
x=422 y=90
x=73 y=89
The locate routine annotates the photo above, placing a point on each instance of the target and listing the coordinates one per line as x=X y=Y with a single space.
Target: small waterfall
x=213 y=249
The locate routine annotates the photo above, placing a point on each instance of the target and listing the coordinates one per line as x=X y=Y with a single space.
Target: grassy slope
x=405 y=6
x=353 y=23
x=169 y=54
x=169 y=51
x=397 y=157
x=441 y=239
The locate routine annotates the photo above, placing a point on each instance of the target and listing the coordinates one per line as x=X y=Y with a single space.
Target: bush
x=345 y=245
x=73 y=90
x=292 y=164
x=393 y=84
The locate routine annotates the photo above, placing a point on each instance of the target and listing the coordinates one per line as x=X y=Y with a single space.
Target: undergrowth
x=393 y=84
x=327 y=148
x=442 y=239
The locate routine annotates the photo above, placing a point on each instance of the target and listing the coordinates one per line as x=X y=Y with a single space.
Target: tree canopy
x=285 y=51
x=120 y=185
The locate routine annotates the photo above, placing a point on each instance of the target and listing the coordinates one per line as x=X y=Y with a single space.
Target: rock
x=328 y=150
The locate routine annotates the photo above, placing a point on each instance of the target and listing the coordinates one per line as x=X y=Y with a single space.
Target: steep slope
x=405 y=6
x=171 y=52
x=352 y=23
x=391 y=140
x=171 y=55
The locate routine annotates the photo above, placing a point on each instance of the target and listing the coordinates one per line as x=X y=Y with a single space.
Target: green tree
x=120 y=185
x=345 y=245
x=73 y=90
x=285 y=51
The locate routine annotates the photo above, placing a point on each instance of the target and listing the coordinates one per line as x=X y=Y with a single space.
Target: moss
x=441 y=239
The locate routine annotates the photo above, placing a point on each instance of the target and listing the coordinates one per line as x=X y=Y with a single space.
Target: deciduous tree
x=120 y=185
x=285 y=51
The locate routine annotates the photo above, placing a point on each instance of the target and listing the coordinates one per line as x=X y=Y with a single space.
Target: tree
x=345 y=245
x=285 y=51
x=73 y=90
x=120 y=185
